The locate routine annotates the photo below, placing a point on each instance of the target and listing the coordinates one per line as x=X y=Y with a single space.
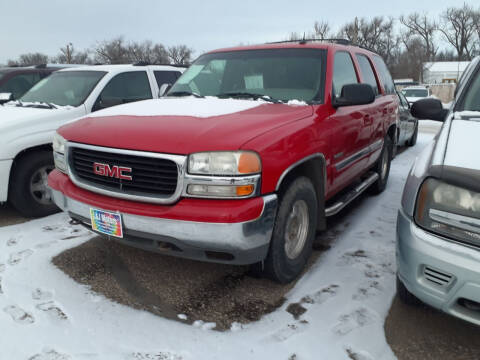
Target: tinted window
x=343 y=72
x=20 y=84
x=65 y=88
x=472 y=95
x=367 y=72
x=385 y=76
x=166 y=77
x=127 y=87
x=283 y=74
x=415 y=92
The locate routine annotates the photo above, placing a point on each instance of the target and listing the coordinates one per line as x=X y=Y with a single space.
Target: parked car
x=27 y=125
x=415 y=93
x=16 y=81
x=407 y=123
x=244 y=159
x=438 y=227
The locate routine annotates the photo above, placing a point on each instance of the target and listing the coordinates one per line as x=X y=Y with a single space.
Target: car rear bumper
x=239 y=243
x=441 y=273
x=5 y=166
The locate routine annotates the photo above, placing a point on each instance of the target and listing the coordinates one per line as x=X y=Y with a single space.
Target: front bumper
x=441 y=273
x=5 y=166
x=232 y=243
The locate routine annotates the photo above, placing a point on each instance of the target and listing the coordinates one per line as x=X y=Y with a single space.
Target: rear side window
x=385 y=76
x=367 y=72
x=128 y=87
x=343 y=72
x=166 y=77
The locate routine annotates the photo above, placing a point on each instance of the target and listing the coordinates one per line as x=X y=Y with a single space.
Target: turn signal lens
x=245 y=190
x=249 y=163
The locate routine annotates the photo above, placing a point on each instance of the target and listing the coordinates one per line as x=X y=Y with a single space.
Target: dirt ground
x=169 y=286
x=422 y=333
x=9 y=216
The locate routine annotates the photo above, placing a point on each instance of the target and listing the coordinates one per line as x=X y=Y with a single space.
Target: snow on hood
x=463 y=142
x=185 y=106
x=10 y=114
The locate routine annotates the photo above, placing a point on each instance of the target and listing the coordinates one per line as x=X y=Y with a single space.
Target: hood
x=14 y=116
x=461 y=148
x=182 y=125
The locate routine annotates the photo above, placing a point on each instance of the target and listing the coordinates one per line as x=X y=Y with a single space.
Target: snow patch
x=188 y=106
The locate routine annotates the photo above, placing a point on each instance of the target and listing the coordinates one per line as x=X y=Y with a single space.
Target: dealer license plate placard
x=106 y=222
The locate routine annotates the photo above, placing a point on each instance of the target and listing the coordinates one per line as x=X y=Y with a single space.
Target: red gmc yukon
x=241 y=162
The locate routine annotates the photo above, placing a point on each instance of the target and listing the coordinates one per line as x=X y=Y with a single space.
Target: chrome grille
x=154 y=178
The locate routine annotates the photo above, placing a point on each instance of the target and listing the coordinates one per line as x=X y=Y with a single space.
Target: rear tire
x=294 y=232
x=413 y=139
x=28 y=191
x=382 y=168
x=406 y=296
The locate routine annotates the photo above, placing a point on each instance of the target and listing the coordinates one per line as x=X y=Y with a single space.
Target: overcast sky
x=45 y=26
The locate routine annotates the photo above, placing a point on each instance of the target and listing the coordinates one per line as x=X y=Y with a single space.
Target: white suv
x=28 y=124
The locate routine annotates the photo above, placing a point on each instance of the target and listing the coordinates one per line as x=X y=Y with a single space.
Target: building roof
x=446 y=66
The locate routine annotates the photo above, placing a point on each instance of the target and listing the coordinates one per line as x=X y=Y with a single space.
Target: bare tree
x=180 y=54
x=420 y=25
x=147 y=52
x=68 y=55
x=29 y=60
x=376 y=34
x=322 y=29
x=458 y=28
x=112 y=51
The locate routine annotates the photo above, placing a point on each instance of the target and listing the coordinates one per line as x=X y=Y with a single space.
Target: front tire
x=28 y=185
x=382 y=167
x=294 y=232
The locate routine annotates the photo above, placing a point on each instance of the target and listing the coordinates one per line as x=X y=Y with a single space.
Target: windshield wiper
x=248 y=95
x=41 y=105
x=185 y=93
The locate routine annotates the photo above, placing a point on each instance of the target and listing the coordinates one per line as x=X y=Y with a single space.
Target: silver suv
x=438 y=226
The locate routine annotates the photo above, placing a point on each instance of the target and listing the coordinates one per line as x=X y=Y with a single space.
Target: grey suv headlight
x=59 y=152
x=449 y=210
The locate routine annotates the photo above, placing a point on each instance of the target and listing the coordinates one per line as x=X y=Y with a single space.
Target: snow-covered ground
x=45 y=315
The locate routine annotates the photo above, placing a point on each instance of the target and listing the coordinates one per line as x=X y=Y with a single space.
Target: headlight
x=59 y=152
x=449 y=210
x=224 y=163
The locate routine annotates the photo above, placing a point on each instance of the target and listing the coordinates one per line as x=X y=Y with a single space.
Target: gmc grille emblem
x=114 y=171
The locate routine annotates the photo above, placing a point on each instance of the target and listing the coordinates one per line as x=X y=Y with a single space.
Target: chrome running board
x=351 y=195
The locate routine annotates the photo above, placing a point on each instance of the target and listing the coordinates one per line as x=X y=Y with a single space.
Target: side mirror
x=164 y=89
x=5 y=97
x=429 y=109
x=355 y=94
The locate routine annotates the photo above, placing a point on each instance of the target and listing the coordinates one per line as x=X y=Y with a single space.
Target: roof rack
x=339 y=41
x=304 y=41
x=146 y=63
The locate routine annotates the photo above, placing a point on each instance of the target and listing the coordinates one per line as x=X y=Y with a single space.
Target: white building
x=441 y=72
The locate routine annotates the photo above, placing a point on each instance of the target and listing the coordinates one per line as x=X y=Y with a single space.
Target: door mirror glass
x=429 y=109
x=164 y=89
x=355 y=94
x=5 y=97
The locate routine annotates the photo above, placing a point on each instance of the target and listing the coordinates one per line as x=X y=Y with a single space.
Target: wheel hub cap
x=39 y=185
x=296 y=231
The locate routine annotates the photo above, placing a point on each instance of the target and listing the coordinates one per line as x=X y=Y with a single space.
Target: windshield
x=69 y=88
x=415 y=92
x=471 y=100
x=281 y=74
